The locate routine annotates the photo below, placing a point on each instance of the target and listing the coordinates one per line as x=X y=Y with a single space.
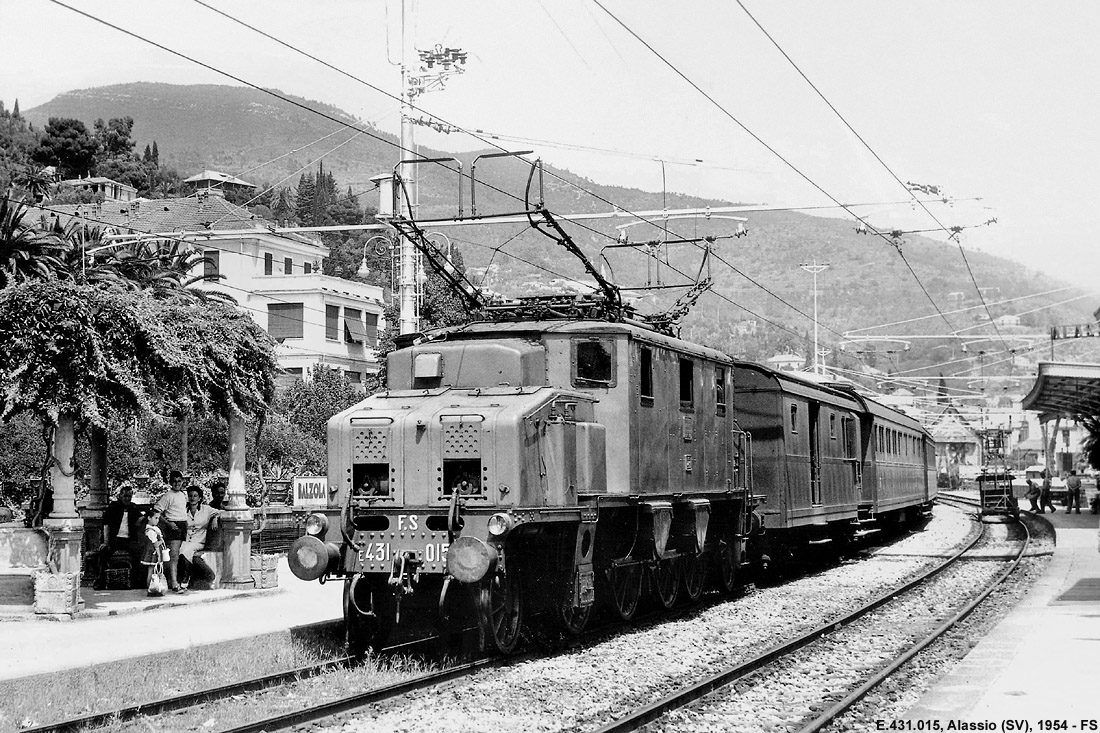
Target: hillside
x=247 y=133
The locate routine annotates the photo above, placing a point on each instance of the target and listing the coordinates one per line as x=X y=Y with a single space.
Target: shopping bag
x=158 y=584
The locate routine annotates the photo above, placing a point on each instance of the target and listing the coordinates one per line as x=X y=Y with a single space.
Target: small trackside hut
x=531 y=467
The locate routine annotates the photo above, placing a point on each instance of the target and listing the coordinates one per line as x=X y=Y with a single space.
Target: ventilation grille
x=370 y=445
x=461 y=441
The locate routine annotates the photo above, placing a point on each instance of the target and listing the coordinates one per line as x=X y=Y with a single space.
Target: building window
x=687 y=383
x=332 y=322
x=372 y=328
x=285 y=320
x=269 y=263
x=307 y=267
x=354 y=377
x=354 y=333
x=288 y=266
x=794 y=419
x=720 y=391
x=646 y=369
x=211 y=266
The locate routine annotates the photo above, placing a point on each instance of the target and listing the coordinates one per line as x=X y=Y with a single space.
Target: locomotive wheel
x=666 y=581
x=500 y=607
x=725 y=571
x=625 y=581
x=573 y=619
x=695 y=575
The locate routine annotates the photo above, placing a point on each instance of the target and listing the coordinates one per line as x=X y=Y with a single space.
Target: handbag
x=158 y=584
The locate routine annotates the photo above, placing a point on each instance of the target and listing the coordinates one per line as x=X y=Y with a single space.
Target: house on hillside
x=786 y=362
x=275 y=278
x=216 y=183
x=110 y=190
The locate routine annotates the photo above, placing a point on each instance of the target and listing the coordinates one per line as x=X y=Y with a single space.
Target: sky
x=995 y=100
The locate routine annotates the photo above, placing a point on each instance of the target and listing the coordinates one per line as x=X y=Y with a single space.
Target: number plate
x=378 y=556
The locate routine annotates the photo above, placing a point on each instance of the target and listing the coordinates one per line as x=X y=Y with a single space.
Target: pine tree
x=156 y=153
x=147 y=156
x=15 y=110
x=304 y=199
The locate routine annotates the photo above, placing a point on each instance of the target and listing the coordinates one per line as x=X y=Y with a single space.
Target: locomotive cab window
x=593 y=363
x=687 y=383
x=645 y=368
x=720 y=391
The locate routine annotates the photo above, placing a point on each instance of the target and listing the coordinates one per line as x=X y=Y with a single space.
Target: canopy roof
x=1065 y=389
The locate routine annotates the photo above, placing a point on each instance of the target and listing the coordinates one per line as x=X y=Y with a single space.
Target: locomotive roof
x=528 y=329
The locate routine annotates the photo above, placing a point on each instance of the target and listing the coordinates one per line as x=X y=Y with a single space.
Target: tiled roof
x=217 y=177
x=156 y=216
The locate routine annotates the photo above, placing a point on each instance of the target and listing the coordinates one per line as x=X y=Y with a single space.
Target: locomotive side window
x=593 y=363
x=720 y=391
x=687 y=383
x=794 y=419
x=646 y=369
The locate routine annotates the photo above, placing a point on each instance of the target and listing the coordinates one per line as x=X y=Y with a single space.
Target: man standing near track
x=1044 y=495
x=1073 y=497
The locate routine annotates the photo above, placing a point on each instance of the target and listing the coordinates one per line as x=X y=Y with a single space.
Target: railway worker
x=1032 y=495
x=200 y=519
x=1044 y=495
x=1073 y=495
x=170 y=516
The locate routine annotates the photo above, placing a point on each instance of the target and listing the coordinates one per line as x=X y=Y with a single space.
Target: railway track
x=702 y=703
x=216 y=693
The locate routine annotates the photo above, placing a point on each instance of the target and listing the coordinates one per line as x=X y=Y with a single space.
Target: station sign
x=311 y=491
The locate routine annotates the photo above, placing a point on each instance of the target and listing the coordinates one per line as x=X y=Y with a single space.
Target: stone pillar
x=64 y=526
x=236 y=518
x=98 y=493
x=58 y=591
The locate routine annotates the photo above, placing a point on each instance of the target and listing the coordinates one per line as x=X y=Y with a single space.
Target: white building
x=275 y=278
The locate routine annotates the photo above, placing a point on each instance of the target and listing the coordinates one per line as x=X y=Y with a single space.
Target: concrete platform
x=122 y=624
x=1042 y=662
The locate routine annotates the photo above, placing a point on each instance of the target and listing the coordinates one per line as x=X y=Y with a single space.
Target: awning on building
x=1066 y=390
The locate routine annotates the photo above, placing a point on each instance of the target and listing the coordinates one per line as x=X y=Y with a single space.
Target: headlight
x=500 y=524
x=316 y=524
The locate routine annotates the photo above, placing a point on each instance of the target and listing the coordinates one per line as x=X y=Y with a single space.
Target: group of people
x=1040 y=496
x=168 y=538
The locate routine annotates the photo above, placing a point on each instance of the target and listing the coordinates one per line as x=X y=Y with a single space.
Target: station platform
x=1042 y=661
x=123 y=624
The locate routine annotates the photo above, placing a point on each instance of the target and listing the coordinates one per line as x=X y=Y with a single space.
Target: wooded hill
x=239 y=130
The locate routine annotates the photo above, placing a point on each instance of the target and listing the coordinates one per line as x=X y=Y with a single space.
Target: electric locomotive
x=532 y=467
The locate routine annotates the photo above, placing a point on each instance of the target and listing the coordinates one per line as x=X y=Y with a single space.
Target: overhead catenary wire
x=953 y=232
x=771 y=150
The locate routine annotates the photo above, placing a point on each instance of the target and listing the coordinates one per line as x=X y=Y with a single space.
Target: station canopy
x=1065 y=390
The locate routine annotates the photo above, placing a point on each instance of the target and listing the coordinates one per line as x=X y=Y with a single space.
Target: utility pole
x=425 y=77
x=815 y=268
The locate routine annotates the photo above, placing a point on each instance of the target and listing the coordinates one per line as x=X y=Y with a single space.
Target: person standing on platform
x=1073 y=495
x=1032 y=495
x=170 y=516
x=200 y=518
x=1044 y=495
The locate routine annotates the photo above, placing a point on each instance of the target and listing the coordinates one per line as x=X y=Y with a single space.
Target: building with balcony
x=275 y=278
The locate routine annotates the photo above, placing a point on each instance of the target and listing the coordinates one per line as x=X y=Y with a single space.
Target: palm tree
x=1091 y=443
x=26 y=253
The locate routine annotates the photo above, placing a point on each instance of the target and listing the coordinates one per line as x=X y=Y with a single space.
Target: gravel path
x=581 y=689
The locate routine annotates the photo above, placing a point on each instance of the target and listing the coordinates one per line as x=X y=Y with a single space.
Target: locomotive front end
x=432 y=482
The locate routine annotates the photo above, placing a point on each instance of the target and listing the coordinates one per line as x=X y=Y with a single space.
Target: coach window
x=832 y=426
x=794 y=419
x=720 y=391
x=645 y=366
x=687 y=383
x=593 y=363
